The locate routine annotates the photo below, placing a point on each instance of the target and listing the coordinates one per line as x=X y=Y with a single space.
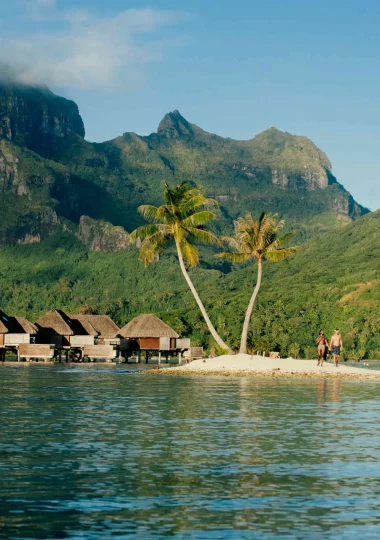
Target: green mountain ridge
x=44 y=149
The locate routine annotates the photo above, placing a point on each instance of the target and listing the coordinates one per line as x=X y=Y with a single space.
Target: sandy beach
x=258 y=366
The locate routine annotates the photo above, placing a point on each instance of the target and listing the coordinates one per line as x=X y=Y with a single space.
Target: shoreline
x=244 y=365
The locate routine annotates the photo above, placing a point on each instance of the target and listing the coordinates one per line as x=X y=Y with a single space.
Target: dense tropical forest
x=333 y=281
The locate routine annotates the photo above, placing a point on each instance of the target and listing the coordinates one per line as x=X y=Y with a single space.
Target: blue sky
x=234 y=68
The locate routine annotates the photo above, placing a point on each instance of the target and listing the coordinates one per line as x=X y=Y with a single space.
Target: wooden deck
x=99 y=351
x=28 y=351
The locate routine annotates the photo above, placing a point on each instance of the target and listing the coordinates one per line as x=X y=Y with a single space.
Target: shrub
x=311 y=353
x=294 y=350
x=374 y=354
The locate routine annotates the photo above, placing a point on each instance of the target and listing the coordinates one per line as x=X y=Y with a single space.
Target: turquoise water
x=364 y=364
x=94 y=452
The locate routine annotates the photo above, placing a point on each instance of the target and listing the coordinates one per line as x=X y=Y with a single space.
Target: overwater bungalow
x=150 y=334
x=59 y=328
x=55 y=328
x=62 y=330
x=90 y=336
x=106 y=330
x=15 y=330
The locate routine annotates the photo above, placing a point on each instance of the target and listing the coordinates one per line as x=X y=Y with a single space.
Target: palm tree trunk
x=244 y=334
x=210 y=326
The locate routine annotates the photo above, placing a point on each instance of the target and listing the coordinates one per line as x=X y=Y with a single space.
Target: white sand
x=250 y=365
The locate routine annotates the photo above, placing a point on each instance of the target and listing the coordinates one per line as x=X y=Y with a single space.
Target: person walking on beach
x=335 y=345
x=322 y=344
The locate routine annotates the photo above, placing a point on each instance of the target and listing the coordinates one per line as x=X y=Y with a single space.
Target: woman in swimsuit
x=322 y=344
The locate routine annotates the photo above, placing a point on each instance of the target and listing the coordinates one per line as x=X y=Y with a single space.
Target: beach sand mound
x=259 y=366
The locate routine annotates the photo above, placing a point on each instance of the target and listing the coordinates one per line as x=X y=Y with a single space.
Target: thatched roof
x=103 y=324
x=27 y=326
x=55 y=322
x=82 y=327
x=4 y=323
x=147 y=326
x=15 y=325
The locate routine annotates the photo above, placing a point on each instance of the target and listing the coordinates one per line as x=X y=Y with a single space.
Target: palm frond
x=143 y=232
x=197 y=200
x=283 y=239
x=234 y=256
x=189 y=252
x=149 y=230
x=260 y=238
x=276 y=255
x=151 y=246
x=150 y=212
x=203 y=236
x=199 y=219
x=180 y=233
x=174 y=196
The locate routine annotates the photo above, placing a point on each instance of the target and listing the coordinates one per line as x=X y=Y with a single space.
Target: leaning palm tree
x=256 y=240
x=183 y=218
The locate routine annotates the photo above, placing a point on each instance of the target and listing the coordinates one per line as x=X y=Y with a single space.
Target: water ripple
x=105 y=452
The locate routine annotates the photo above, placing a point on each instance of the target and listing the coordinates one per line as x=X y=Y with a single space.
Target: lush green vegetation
x=332 y=281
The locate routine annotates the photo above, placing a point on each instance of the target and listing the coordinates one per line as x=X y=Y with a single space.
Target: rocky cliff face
x=102 y=236
x=37 y=118
x=9 y=177
x=26 y=207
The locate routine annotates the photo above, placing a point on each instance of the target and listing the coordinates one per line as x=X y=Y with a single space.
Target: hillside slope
x=333 y=281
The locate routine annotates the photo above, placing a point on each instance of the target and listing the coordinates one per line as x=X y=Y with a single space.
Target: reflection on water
x=92 y=452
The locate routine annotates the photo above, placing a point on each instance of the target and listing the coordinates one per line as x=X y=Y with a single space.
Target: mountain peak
x=294 y=150
x=174 y=125
x=35 y=117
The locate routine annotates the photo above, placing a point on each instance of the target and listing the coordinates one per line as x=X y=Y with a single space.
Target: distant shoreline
x=231 y=366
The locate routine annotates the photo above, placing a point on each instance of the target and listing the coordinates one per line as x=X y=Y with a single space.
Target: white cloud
x=88 y=50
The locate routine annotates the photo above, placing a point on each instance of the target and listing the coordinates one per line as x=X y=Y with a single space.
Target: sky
x=234 y=68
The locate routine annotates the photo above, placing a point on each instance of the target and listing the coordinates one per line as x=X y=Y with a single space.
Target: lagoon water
x=94 y=452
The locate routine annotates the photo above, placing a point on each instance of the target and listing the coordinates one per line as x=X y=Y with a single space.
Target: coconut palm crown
x=183 y=218
x=256 y=240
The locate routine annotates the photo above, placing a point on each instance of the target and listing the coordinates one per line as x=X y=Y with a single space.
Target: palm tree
x=183 y=218
x=256 y=240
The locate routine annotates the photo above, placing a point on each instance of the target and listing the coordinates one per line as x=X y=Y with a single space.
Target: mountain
x=67 y=206
x=274 y=171
x=50 y=176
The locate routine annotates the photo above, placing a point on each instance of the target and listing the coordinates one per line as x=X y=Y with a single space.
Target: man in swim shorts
x=335 y=345
x=322 y=344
